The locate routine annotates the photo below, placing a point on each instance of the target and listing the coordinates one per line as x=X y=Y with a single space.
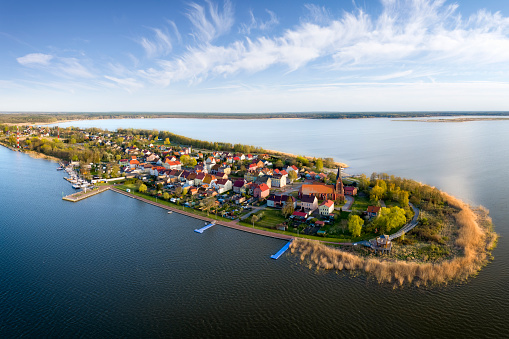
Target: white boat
x=170 y=212
x=76 y=186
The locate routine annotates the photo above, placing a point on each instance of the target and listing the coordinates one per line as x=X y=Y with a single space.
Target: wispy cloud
x=159 y=45
x=259 y=23
x=35 y=59
x=128 y=84
x=216 y=23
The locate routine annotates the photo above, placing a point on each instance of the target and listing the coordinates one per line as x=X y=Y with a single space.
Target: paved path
x=382 y=203
x=75 y=197
x=347 y=207
x=231 y=224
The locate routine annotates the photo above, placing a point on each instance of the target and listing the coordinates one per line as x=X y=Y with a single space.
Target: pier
x=281 y=251
x=201 y=230
x=78 y=196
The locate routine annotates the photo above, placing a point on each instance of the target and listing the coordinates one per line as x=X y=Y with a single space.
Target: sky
x=254 y=56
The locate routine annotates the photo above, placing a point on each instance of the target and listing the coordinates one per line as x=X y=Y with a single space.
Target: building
x=326 y=208
x=309 y=202
x=373 y=211
x=278 y=180
x=261 y=191
x=323 y=192
x=279 y=201
x=350 y=190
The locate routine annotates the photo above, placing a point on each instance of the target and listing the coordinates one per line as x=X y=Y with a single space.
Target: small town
x=284 y=194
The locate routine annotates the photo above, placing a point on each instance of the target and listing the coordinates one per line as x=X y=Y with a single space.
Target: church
x=323 y=192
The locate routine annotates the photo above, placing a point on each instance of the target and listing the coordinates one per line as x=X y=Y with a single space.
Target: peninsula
x=394 y=229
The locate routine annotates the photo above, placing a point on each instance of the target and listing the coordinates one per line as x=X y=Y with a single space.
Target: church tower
x=339 y=189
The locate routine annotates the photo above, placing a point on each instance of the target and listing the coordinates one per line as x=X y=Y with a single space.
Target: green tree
x=319 y=164
x=114 y=171
x=72 y=141
x=376 y=193
x=178 y=191
x=390 y=218
x=403 y=199
x=187 y=161
x=355 y=225
x=167 y=141
x=278 y=164
x=118 y=157
x=142 y=188
x=166 y=196
x=303 y=160
x=288 y=208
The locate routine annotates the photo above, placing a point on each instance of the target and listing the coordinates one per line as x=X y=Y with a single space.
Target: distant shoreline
x=53 y=118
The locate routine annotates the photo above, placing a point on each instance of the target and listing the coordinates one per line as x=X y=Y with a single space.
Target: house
x=193 y=190
x=222 y=185
x=172 y=164
x=221 y=175
x=326 y=208
x=214 y=169
x=309 y=202
x=279 y=201
x=225 y=169
x=261 y=191
x=299 y=215
x=198 y=180
x=332 y=192
x=209 y=179
x=292 y=168
x=133 y=162
x=239 y=199
x=264 y=179
x=350 y=190
x=239 y=186
x=278 y=180
x=373 y=211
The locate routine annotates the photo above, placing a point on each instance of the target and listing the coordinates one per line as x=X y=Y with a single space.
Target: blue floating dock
x=281 y=251
x=201 y=230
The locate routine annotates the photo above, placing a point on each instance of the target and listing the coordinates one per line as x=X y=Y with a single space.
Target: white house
x=222 y=185
x=326 y=208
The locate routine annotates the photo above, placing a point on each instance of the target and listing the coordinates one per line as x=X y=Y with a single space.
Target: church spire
x=339 y=183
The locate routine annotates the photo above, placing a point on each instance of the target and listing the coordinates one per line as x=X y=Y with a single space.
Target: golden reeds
x=472 y=239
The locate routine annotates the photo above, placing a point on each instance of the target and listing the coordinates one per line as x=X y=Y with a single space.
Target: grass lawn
x=361 y=203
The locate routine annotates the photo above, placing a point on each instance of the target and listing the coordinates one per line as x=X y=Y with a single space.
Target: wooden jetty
x=78 y=196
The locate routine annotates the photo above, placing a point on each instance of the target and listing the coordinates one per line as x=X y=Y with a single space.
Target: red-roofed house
x=326 y=208
x=350 y=190
x=373 y=211
x=261 y=191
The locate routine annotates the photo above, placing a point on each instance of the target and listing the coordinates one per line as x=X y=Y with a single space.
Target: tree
x=254 y=218
x=178 y=191
x=363 y=182
x=355 y=225
x=208 y=203
x=114 y=171
x=319 y=164
x=142 y=188
x=187 y=161
x=390 y=218
x=288 y=208
x=72 y=141
x=166 y=196
x=167 y=141
x=292 y=175
x=118 y=157
x=376 y=193
x=328 y=162
x=403 y=198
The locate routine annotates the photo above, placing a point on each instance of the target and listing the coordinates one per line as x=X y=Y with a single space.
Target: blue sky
x=254 y=56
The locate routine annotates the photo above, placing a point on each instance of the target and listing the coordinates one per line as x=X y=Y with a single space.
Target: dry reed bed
x=475 y=238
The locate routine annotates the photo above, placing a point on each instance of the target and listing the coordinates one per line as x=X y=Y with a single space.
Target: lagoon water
x=111 y=266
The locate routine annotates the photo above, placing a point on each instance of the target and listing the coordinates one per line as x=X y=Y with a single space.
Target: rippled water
x=111 y=266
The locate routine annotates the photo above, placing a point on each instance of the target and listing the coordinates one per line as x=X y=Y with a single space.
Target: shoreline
x=271 y=151
x=231 y=224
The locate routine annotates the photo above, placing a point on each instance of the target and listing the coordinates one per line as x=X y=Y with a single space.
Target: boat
x=76 y=186
x=60 y=168
x=170 y=212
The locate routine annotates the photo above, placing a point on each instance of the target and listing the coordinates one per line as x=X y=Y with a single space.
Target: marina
x=78 y=196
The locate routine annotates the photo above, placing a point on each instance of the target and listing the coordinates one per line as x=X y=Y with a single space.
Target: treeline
x=182 y=140
x=31 y=118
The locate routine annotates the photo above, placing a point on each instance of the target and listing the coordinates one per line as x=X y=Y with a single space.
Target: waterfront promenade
x=230 y=224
